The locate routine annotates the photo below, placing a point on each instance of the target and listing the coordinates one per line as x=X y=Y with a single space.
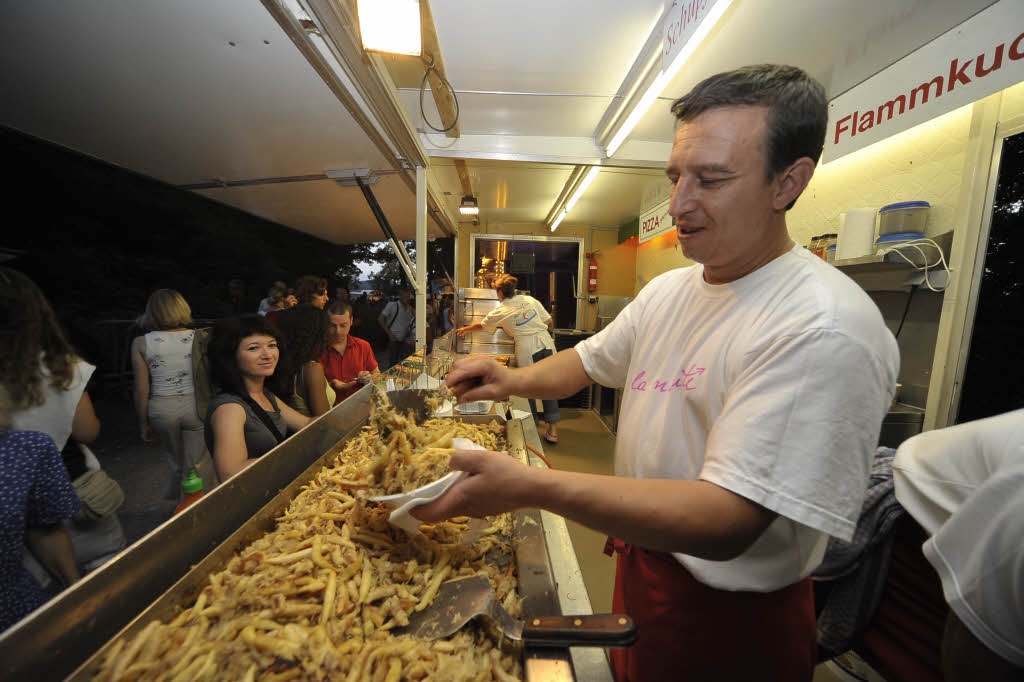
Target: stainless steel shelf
x=893 y=272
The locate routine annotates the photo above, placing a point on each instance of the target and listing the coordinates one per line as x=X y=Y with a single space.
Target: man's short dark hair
x=797 y=108
x=339 y=308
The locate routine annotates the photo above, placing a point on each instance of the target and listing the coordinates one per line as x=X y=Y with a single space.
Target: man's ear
x=792 y=182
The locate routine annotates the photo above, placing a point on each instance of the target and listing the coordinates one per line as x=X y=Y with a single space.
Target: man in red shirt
x=347 y=359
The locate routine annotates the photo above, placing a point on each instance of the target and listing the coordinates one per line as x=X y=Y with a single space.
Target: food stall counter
x=154 y=577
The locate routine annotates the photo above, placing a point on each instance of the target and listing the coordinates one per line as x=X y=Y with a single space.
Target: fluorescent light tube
x=558 y=220
x=665 y=77
x=587 y=179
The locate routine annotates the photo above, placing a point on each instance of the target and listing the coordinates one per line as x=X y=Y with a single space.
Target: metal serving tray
x=168 y=568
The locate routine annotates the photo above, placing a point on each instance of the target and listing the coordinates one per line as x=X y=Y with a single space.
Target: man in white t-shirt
x=965 y=486
x=755 y=384
x=398 y=320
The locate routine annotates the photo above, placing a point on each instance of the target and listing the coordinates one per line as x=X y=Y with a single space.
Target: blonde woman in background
x=172 y=388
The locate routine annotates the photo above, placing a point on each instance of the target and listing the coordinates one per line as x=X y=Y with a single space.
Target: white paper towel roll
x=856 y=234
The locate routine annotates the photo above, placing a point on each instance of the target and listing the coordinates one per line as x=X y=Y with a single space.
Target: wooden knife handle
x=603 y=629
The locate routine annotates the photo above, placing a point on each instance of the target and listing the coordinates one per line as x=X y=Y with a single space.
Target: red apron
x=689 y=631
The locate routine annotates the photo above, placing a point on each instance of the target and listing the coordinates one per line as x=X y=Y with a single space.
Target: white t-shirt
x=773 y=386
x=965 y=484
x=55 y=415
x=935 y=472
x=525 y=320
x=400 y=319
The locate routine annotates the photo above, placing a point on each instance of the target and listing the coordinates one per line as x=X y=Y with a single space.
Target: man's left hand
x=496 y=483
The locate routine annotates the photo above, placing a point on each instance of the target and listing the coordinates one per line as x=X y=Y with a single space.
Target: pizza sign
x=655 y=222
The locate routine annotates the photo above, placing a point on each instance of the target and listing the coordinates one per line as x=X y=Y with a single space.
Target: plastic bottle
x=815 y=246
x=193 y=487
x=828 y=241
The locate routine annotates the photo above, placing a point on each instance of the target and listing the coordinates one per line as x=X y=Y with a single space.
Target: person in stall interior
x=727 y=486
x=524 y=319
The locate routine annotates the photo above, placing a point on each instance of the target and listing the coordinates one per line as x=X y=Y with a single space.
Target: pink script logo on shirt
x=640 y=382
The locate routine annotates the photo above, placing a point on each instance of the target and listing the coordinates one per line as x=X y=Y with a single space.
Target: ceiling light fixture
x=577 y=193
x=469 y=206
x=390 y=26
x=665 y=77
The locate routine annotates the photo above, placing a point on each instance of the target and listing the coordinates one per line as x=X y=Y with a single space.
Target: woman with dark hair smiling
x=245 y=420
x=299 y=377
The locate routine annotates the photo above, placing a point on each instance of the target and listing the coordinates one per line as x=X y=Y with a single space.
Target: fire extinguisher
x=592 y=278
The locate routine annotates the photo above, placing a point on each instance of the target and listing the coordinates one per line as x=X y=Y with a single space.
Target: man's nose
x=683 y=199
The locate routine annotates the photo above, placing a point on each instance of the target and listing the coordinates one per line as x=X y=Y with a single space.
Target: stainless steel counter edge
x=590 y=664
x=54 y=640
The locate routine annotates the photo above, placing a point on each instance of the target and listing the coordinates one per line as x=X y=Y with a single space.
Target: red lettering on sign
x=688 y=13
x=857 y=122
x=924 y=89
x=957 y=75
x=841 y=127
x=1015 y=52
x=867 y=122
x=979 y=67
x=650 y=225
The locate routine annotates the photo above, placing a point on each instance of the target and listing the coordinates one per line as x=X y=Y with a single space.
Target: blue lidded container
x=888 y=241
x=903 y=217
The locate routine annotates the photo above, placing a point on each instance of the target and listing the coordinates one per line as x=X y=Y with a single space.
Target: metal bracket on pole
x=396 y=244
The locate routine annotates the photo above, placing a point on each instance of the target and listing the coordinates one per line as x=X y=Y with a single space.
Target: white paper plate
x=403 y=503
x=475 y=407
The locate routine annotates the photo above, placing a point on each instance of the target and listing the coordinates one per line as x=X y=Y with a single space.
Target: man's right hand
x=480 y=378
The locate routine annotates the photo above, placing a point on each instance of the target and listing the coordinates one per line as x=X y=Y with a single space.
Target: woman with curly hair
x=245 y=420
x=312 y=290
x=46 y=382
x=44 y=376
x=171 y=387
x=300 y=376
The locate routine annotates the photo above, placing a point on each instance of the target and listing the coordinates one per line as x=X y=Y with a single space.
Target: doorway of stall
x=989 y=381
x=548 y=268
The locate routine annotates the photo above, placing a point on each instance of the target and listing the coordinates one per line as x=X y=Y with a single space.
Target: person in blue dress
x=35 y=497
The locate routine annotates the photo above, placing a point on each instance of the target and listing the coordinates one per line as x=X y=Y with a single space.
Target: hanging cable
x=423 y=87
x=906 y=309
x=925 y=266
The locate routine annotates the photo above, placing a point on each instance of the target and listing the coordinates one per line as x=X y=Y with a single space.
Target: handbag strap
x=262 y=415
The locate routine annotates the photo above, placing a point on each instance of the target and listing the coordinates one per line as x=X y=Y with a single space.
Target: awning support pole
x=396 y=245
x=421 y=257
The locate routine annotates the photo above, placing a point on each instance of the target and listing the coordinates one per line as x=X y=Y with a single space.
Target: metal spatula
x=459 y=601
x=411 y=399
